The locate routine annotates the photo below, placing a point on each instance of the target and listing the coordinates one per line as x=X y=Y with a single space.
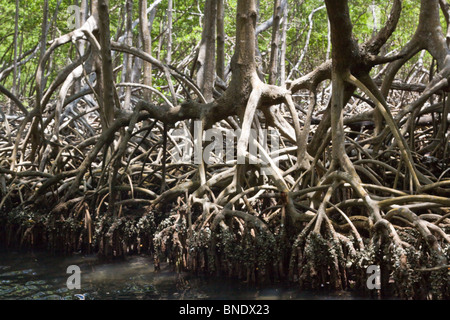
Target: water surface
x=40 y=276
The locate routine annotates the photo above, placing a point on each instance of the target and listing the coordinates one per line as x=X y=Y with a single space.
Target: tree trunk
x=106 y=79
x=220 y=67
x=16 y=36
x=345 y=51
x=283 y=47
x=127 y=58
x=81 y=44
x=147 y=45
x=273 y=64
x=169 y=31
x=207 y=52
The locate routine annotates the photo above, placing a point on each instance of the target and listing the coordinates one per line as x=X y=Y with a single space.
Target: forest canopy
x=334 y=117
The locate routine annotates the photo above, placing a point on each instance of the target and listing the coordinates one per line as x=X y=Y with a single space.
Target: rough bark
x=220 y=63
x=147 y=45
x=207 y=51
x=106 y=80
x=273 y=64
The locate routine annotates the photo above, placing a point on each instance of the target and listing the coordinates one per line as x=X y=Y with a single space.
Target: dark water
x=39 y=276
